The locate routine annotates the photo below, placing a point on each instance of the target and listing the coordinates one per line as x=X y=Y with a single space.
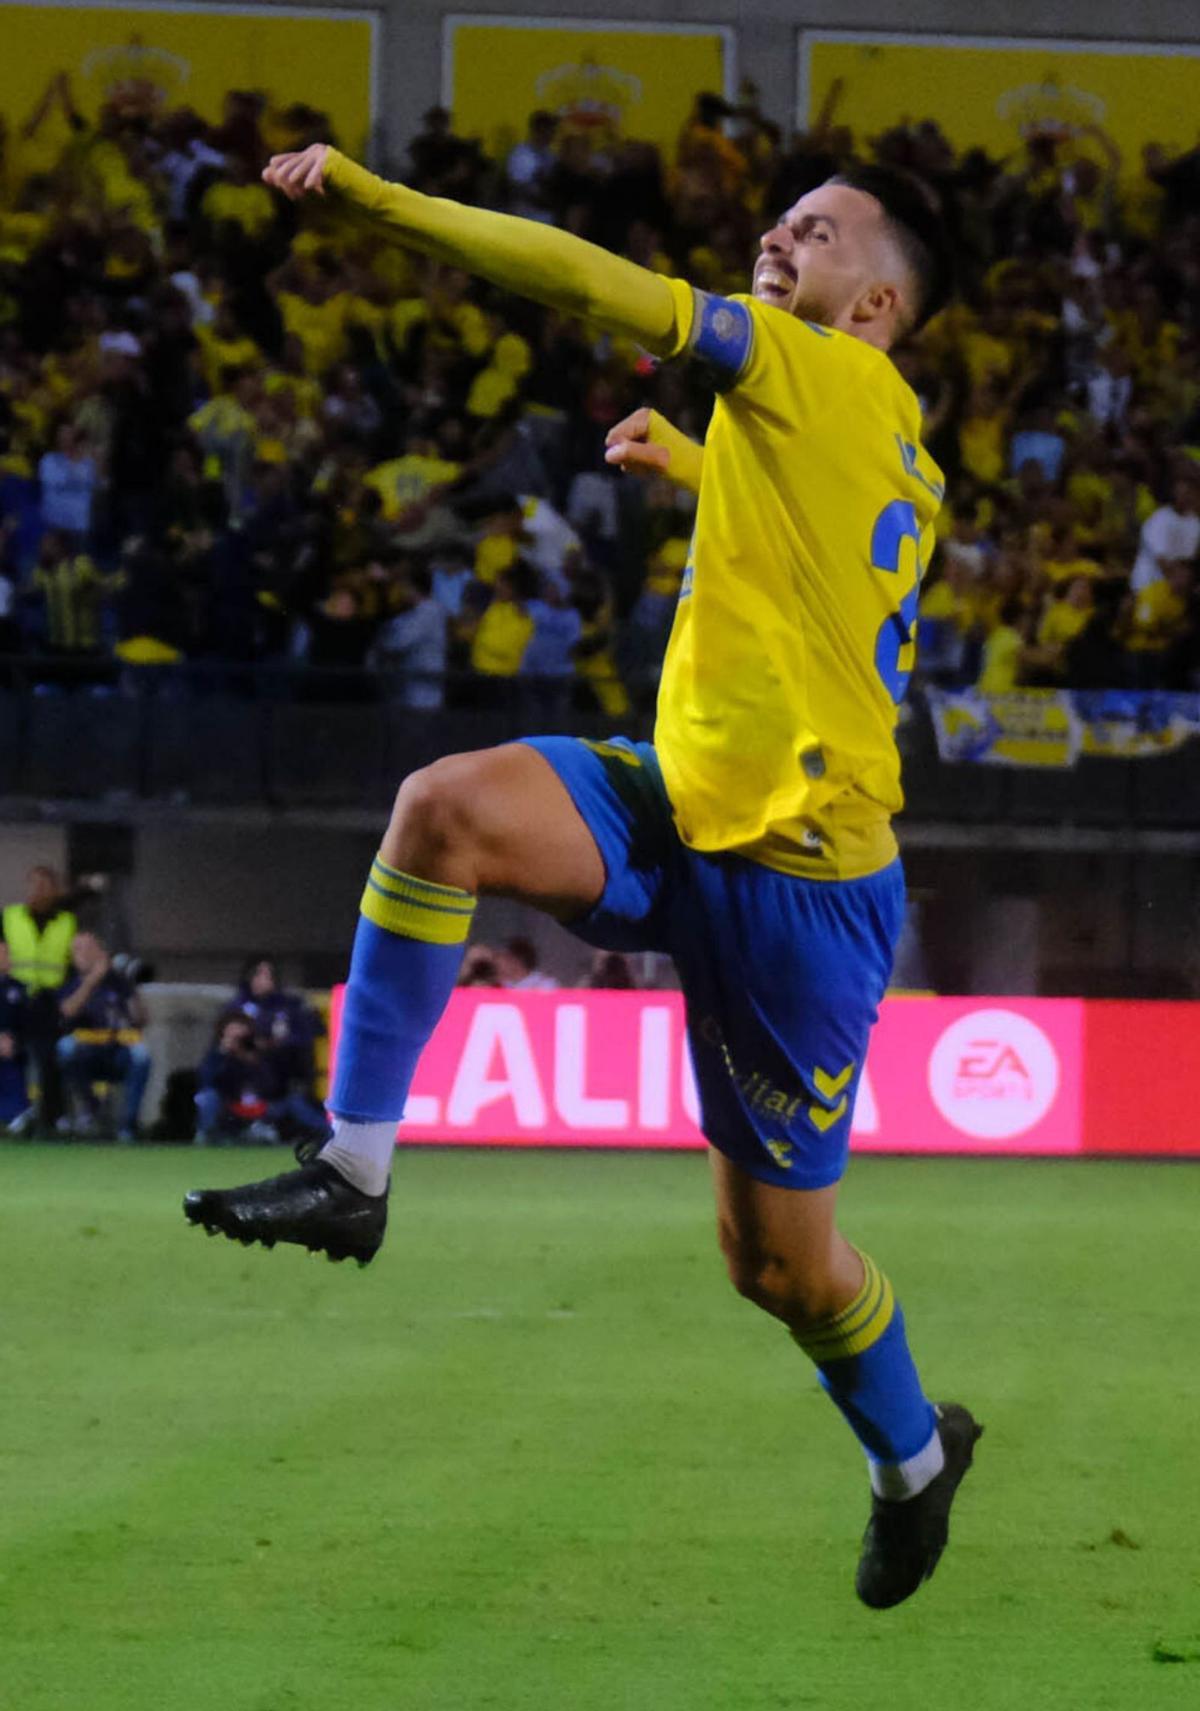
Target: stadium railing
x=286 y=736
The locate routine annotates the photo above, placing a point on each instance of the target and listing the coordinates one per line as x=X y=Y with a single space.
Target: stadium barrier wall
x=984 y=1076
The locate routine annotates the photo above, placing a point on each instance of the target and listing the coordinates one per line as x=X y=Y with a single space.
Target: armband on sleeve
x=721 y=339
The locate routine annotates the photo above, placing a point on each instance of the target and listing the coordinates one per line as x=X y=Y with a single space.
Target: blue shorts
x=781 y=977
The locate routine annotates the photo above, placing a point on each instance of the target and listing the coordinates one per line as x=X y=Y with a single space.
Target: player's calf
x=917 y=1455
x=787 y=1258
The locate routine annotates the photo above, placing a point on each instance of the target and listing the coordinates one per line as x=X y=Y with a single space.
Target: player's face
x=822 y=255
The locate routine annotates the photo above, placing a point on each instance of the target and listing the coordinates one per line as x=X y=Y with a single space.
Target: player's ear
x=879 y=302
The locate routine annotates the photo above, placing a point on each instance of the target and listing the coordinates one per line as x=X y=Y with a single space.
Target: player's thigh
x=782 y=979
x=781 y=1245
x=498 y=821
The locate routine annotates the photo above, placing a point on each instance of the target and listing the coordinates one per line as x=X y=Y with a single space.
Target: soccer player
x=753 y=840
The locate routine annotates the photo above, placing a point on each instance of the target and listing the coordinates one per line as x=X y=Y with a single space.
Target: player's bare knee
x=799 y=1295
x=432 y=821
x=752 y=1271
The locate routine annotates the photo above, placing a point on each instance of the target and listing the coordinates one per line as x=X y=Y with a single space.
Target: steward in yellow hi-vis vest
x=39 y=934
x=751 y=842
x=39 y=947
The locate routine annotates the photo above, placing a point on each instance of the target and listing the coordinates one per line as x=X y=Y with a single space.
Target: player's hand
x=630 y=445
x=297 y=175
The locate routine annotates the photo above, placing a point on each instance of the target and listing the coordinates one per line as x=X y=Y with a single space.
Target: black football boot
x=904 y=1540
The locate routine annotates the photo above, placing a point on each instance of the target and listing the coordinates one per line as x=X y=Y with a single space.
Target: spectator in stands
x=479 y=967
x=517 y=965
x=409 y=652
x=15 y=1110
x=69 y=478
x=11 y=637
x=1006 y=651
x=1039 y=440
x=286 y=1029
x=70 y=596
x=1155 y=625
x=158 y=328
x=444 y=164
x=104 y=1017
x=945 y=617
x=233 y=1087
x=503 y=630
x=1171 y=534
x=152 y=615
x=1064 y=619
x=611 y=972
x=549 y=658
x=529 y=170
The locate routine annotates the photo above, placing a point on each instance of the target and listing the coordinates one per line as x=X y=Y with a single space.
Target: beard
x=812 y=306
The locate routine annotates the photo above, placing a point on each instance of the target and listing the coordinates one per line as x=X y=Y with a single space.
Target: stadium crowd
x=227 y=436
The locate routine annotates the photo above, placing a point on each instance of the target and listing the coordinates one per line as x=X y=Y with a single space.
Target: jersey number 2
x=896 y=523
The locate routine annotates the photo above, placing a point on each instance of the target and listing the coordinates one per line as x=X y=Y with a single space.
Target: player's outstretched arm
x=524 y=256
x=645 y=443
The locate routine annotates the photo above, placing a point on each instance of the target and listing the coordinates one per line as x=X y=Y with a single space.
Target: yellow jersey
x=1158 y=619
x=407 y=480
x=501 y=639
x=1001 y=661
x=792 y=644
x=1062 y=622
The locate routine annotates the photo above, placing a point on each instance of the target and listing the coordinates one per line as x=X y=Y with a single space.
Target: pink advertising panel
x=602 y=1069
x=973 y=1075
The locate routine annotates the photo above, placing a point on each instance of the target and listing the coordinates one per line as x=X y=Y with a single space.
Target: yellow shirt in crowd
x=405 y=481
x=501 y=639
x=1156 y=620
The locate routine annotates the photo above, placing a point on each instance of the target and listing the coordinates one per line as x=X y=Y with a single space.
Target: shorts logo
x=824 y=1115
x=993 y=1074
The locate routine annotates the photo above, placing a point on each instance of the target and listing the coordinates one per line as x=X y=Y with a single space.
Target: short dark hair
x=914 y=213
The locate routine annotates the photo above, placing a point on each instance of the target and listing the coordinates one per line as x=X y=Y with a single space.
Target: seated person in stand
x=286 y=1027
x=233 y=1087
x=104 y=1018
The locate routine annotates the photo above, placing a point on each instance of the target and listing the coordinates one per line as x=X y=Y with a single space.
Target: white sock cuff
x=362 y=1153
x=900 y=1480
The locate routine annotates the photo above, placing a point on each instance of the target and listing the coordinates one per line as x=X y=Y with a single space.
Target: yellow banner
x=189 y=56
x=992 y=95
x=1030 y=728
x=638 y=83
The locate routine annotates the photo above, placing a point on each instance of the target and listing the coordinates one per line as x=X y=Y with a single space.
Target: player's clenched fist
x=297 y=175
x=633 y=445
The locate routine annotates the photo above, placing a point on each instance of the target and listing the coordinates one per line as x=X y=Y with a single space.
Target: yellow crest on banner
x=181 y=56
x=992 y=94
x=607 y=79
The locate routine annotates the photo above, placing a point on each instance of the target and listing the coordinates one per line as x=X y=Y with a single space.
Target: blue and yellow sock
x=407 y=952
x=863 y=1359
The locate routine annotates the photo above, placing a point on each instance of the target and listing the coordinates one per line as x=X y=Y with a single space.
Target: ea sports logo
x=993 y=1074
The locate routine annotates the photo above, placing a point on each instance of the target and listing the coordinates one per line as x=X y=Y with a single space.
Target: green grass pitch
x=540 y=1456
